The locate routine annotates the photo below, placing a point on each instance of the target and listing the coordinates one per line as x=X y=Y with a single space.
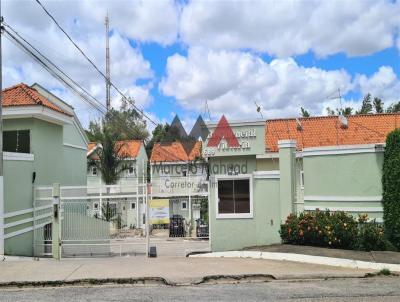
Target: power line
x=59 y=74
x=53 y=69
x=94 y=65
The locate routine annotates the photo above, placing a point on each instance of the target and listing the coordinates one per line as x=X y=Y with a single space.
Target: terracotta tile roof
x=327 y=130
x=23 y=95
x=129 y=148
x=173 y=152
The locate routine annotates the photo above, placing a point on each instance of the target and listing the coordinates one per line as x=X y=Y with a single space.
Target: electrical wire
x=140 y=111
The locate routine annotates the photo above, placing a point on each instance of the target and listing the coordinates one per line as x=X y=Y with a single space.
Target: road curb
x=348 y=263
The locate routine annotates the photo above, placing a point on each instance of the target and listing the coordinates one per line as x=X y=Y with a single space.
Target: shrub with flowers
x=371 y=236
x=321 y=228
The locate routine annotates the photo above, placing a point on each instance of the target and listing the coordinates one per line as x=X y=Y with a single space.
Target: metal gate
x=102 y=222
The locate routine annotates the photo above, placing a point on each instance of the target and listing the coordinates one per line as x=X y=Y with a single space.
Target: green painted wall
x=350 y=175
x=52 y=163
x=235 y=233
x=262 y=229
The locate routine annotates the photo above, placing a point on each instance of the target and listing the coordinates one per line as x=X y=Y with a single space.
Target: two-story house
x=128 y=193
x=43 y=143
x=179 y=177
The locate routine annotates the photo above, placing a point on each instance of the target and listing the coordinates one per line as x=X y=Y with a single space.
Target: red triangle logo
x=223 y=130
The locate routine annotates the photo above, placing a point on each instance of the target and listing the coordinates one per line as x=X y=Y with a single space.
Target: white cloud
x=287 y=28
x=384 y=84
x=85 y=23
x=233 y=80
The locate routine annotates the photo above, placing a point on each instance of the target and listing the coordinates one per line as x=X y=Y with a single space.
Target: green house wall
x=53 y=163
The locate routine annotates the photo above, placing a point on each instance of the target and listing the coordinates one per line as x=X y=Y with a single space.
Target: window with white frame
x=302 y=179
x=96 y=206
x=183 y=205
x=234 y=196
x=131 y=170
x=94 y=171
x=133 y=205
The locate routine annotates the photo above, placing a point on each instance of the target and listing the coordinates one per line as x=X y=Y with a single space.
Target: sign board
x=235 y=139
x=159 y=211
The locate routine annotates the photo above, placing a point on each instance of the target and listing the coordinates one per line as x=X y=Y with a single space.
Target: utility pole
x=108 y=85
x=1 y=143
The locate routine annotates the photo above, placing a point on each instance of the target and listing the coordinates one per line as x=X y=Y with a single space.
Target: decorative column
x=287 y=167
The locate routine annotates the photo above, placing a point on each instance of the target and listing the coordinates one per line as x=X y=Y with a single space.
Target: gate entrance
x=104 y=221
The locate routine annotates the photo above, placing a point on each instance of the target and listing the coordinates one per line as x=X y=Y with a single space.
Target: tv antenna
x=337 y=96
x=259 y=109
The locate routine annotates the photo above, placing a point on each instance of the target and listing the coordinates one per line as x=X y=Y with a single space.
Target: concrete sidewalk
x=165 y=270
x=373 y=256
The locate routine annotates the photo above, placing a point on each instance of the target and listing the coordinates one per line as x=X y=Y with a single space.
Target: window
x=96 y=206
x=302 y=179
x=17 y=141
x=94 y=171
x=113 y=209
x=131 y=170
x=133 y=205
x=184 y=205
x=234 y=198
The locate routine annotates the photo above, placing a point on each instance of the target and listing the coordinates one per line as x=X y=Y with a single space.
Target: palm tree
x=109 y=159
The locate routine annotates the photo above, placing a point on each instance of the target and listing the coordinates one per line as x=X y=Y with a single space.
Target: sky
x=173 y=57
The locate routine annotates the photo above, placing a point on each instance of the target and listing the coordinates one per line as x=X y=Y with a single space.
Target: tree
x=391 y=187
x=108 y=158
x=126 y=123
x=330 y=111
x=394 y=108
x=304 y=112
x=366 y=106
x=347 y=111
x=378 y=105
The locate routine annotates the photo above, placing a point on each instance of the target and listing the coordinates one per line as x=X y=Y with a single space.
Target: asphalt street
x=353 y=289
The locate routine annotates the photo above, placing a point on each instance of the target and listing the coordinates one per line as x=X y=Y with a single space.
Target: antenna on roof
x=338 y=96
x=259 y=109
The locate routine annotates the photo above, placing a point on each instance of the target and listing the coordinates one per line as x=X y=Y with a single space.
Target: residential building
x=181 y=177
x=130 y=186
x=43 y=143
x=285 y=166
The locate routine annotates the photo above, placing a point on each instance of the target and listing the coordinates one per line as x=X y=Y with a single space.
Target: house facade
x=179 y=177
x=43 y=143
x=286 y=166
x=131 y=204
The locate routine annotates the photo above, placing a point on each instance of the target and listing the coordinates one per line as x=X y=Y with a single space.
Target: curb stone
x=348 y=263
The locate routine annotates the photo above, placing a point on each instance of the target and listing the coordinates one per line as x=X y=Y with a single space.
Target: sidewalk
x=164 y=270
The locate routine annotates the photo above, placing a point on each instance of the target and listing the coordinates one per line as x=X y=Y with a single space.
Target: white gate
x=108 y=221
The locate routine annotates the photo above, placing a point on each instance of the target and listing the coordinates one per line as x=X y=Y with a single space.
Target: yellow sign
x=159 y=211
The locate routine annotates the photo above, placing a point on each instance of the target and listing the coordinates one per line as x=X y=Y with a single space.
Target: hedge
x=391 y=188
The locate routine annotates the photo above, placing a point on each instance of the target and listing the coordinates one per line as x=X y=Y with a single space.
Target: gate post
x=56 y=223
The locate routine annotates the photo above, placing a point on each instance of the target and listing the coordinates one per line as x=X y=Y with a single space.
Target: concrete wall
x=348 y=181
x=53 y=162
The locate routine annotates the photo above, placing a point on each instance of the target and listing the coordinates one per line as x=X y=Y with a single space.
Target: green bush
x=391 y=188
x=371 y=237
x=321 y=228
x=335 y=230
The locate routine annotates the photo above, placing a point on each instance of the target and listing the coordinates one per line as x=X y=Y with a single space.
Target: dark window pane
x=242 y=195
x=10 y=141
x=16 y=141
x=23 y=141
x=225 y=195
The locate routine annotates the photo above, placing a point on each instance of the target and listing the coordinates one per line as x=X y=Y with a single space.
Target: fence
x=108 y=221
